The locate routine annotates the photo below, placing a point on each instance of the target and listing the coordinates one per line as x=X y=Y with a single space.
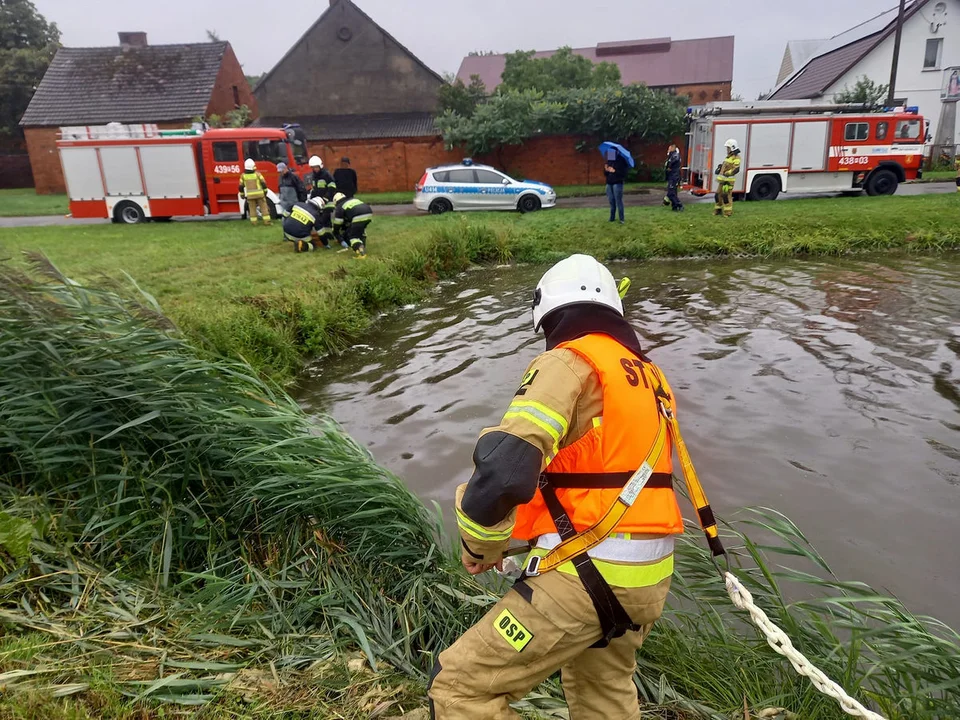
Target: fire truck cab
x=804 y=147
x=130 y=173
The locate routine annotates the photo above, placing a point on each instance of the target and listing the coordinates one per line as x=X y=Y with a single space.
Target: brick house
x=701 y=68
x=134 y=82
x=357 y=92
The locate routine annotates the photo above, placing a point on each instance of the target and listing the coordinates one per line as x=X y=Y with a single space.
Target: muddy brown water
x=829 y=390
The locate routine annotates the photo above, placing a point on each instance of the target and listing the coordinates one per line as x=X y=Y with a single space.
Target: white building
x=929 y=54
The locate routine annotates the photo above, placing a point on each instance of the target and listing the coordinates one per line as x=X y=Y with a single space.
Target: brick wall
x=45 y=160
x=396 y=165
x=231 y=76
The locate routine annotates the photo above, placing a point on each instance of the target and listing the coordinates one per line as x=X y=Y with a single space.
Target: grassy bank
x=24 y=202
x=242 y=292
x=175 y=530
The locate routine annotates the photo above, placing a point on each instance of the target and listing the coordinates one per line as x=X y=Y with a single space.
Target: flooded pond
x=829 y=390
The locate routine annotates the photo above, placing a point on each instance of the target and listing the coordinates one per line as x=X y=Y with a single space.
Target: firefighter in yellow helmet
x=587 y=414
x=726 y=178
x=254 y=189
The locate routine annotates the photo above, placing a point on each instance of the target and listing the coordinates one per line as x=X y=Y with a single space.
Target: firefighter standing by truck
x=350 y=220
x=726 y=178
x=320 y=180
x=254 y=189
x=588 y=413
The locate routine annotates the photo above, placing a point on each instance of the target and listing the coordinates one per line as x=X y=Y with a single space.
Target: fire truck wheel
x=128 y=213
x=882 y=182
x=765 y=187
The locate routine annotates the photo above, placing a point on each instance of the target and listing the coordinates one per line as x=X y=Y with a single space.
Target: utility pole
x=896 y=54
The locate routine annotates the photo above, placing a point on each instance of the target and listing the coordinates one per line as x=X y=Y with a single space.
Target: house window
x=931 y=56
x=236 y=96
x=882 y=129
x=225 y=152
x=856 y=131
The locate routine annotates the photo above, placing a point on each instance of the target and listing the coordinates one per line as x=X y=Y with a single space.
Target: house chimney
x=133 y=39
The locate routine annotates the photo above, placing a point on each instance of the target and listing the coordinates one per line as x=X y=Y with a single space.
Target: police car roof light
x=467 y=161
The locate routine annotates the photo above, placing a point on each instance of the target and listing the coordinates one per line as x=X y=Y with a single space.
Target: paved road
x=631 y=200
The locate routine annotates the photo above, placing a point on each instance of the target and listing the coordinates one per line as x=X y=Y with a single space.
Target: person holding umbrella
x=618 y=161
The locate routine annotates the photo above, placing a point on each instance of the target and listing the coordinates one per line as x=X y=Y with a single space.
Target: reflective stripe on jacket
x=590 y=472
x=729 y=169
x=252 y=185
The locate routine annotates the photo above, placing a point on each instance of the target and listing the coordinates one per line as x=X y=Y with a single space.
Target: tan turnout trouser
x=519 y=643
x=724 y=201
x=253 y=204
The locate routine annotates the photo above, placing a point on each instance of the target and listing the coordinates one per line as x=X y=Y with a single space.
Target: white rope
x=779 y=641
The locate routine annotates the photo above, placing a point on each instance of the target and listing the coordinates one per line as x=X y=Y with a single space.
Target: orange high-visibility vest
x=590 y=473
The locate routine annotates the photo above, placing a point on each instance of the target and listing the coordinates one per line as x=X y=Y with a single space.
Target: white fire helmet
x=731 y=145
x=318 y=201
x=249 y=165
x=316 y=162
x=338 y=197
x=578 y=280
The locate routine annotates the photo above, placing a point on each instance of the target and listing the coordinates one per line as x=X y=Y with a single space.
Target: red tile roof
x=656 y=62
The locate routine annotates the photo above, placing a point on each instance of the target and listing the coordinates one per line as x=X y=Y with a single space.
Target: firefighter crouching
x=320 y=180
x=726 y=178
x=587 y=415
x=254 y=189
x=301 y=224
x=350 y=220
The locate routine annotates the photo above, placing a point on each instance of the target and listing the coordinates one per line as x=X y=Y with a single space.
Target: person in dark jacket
x=292 y=190
x=346 y=178
x=616 y=172
x=672 y=166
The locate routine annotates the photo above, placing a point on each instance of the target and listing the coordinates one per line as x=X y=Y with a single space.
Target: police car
x=468 y=186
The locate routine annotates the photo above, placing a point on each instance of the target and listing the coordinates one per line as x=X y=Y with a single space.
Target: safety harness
x=574 y=546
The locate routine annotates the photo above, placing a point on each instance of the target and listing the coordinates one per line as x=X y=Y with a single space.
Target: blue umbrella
x=621 y=150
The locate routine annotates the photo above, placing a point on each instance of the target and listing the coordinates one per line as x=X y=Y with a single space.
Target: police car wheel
x=274 y=212
x=441 y=206
x=529 y=203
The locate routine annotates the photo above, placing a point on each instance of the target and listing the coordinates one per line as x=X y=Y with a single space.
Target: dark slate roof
x=88 y=86
x=359 y=127
x=818 y=74
x=837 y=55
x=656 y=62
x=306 y=38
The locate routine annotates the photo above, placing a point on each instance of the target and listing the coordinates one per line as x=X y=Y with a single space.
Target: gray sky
x=442 y=33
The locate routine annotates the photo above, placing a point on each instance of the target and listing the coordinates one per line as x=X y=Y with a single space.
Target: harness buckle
x=533 y=566
x=665 y=410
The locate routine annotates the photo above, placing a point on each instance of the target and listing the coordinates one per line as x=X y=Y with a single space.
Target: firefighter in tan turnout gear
x=254 y=189
x=726 y=178
x=586 y=421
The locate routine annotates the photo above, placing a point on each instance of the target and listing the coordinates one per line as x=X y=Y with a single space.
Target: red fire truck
x=130 y=173
x=804 y=147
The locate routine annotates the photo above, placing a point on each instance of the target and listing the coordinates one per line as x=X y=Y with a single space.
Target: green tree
x=462 y=99
x=864 y=90
x=27 y=45
x=592 y=114
x=562 y=70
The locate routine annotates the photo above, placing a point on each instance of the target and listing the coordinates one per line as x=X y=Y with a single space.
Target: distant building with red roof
x=701 y=68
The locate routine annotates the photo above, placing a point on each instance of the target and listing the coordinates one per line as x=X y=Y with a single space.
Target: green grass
x=23 y=202
x=243 y=292
x=938 y=176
